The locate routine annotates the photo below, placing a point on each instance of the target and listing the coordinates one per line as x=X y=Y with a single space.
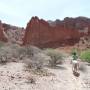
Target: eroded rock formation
x=58 y=33
x=3 y=36
x=14 y=34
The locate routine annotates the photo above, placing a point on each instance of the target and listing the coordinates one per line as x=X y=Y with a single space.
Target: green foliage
x=1 y=44
x=56 y=56
x=85 y=56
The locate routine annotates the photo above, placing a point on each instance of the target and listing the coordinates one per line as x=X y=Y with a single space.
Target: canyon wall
x=57 y=33
x=2 y=33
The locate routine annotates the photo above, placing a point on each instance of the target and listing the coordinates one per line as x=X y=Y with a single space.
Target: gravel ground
x=14 y=77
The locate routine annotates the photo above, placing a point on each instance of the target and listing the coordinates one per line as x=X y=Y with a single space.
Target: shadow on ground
x=88 y=64
x=59 y=67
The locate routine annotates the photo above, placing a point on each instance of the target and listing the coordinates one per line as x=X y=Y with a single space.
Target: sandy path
x=14 y=77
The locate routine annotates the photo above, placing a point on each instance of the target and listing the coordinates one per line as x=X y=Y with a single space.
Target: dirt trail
x=14 y=77
x=67 y=80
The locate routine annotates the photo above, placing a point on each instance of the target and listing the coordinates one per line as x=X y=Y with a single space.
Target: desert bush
x=38 y=61
x=20 y=52
x=56 y=56
x=3 y=58
x=28 y=51
x=85 y=56
x=4 y=54
x=33 y=49
x=9 y=53
x=41 y=60
x=1 y=44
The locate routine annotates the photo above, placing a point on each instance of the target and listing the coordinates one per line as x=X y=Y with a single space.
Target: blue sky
x=19 y=12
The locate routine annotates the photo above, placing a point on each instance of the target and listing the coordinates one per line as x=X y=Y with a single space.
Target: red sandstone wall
x=2 y=36
x=42 y=34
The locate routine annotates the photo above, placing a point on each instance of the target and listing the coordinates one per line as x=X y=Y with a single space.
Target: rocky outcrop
x=58 y=33
x=83 y=44
x=3 y=36
x=14 y=33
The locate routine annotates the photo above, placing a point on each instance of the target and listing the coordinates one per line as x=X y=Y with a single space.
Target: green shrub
x=1 y=44
x=56 y=57
x=85 y=56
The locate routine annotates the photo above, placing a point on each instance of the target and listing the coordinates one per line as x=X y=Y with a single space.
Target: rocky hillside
x=2 y=33
x=56 y=33
x=43 y=33
x=84 y=43
x=11 y=33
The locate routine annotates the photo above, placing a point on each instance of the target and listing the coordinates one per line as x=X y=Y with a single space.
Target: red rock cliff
x=58 y=33
x=2 y=33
